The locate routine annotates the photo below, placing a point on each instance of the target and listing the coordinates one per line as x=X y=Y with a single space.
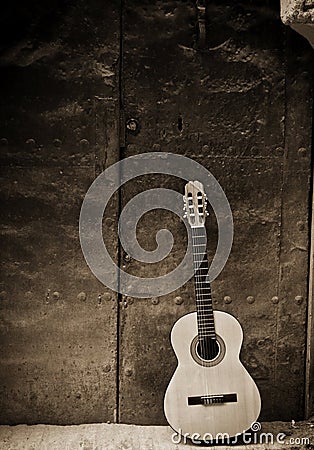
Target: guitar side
x=192 y=381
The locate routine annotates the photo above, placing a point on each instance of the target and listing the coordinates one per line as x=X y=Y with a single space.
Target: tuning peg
x=207 y=213
x=185 y=216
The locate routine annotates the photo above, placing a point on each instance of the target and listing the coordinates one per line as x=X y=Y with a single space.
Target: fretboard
x=204 y=305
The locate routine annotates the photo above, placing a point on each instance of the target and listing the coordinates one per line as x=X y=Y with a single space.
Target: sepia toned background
x=85 y=84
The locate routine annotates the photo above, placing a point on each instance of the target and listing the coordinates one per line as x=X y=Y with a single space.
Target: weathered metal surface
x=225 y=107
x=294 y=255
x=58 y=323
x=309 y=387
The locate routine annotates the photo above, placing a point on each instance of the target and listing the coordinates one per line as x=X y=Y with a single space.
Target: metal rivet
x=4 y=141
x=178 y=300
x=302 y=151
x=155 y=301
x=109 y=222
x=301 y=225
x=81 y=296
x=128 y=372
x=132 y=148
x=205 y=148
x=107 y=368
x=156 y=147
x=298 y=299
x=227 y=299
x=253 y=363
x=106 y=296
x=132 y=125
x=31 y=142
x=250 y=299
x=56 y=295
x=57 y=142
x=84 y=143
x=127 y=258
x=275 y=299
x=260 y=342
x=279 y=149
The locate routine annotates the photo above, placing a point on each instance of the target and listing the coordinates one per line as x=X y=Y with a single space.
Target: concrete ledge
x=133 y=437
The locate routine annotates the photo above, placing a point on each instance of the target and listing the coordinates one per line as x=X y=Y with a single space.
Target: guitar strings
x=207 y=342
x=201 y=346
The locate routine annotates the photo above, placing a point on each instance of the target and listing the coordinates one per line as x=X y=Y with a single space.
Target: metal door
x=58 y=323
x=72 y=351
x=241 y=106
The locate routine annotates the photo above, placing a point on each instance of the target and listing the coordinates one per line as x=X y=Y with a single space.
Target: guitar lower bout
x=210 y=397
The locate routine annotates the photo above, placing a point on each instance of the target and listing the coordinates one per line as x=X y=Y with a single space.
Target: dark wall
x=58 y=323
x=72 y=74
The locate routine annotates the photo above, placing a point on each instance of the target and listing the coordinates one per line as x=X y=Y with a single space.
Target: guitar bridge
x=212 y=399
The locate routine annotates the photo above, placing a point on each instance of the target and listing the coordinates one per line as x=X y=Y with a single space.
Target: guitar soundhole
x=208 y=353
x=207 y=348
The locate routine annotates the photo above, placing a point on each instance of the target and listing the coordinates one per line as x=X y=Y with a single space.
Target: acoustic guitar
x=211 y=394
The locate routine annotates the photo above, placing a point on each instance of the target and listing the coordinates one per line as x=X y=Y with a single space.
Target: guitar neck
x=204 y=304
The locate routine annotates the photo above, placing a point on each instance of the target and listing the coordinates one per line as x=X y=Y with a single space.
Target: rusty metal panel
x=224 y=107
x=228 y=99
x=294 y=254
x=58 y=323
x=309 y=391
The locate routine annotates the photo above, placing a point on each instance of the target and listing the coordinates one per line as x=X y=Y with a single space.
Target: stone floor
x=280 y=435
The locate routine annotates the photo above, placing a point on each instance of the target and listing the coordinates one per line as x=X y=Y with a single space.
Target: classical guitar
x=211 y=393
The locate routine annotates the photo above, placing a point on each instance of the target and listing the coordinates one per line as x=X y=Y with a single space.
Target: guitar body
x=195 y=378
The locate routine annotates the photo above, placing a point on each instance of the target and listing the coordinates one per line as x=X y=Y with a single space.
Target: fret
x=207 y=316
x=208 y=322
x=204 y=306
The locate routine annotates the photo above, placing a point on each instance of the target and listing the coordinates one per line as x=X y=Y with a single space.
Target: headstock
x=195 y=204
